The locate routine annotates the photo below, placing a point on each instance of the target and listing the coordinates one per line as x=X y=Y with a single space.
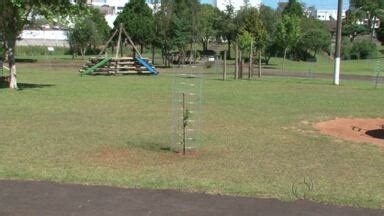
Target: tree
x=163 y=19
x=270 y=18
x=17 y=13
x=293 y=8
x=180 y=33
x=354 y=30
x=370 y=10
x=288 y=34
x=380 y=33
x=208 y=17
x=315 y=36
x=244 y=39
x=249 y=19
x=88 y=33
x=351 y=28
x=137 y=19
x=226 y=27
x=184 y=25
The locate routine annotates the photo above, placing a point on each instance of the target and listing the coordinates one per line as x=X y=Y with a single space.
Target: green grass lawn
x=258 y=138
x=326 y=65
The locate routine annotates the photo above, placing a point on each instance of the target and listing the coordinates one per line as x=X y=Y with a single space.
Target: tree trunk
x=162 y=55
x=141 y=49
x=205 y=44
x=229 y=49
x=373 y=28
x=82 y=52
x=4 y=54
x=285 y=56
x=241 y=65
x=266 y=58
x=12 y=63
x=153 y=54
x=259 y=71
x=225 y=67
x=250 y=69
x=237 y=62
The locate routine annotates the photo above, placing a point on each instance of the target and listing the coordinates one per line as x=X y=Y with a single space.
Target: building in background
x=237 y=4
x=328 y=15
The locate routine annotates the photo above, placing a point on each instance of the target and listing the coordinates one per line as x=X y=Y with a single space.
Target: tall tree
x=249 y=19
x=184 y=26
x=163 y=20
x=180 y=33
x=315 y=36
x=89 y=32
x=270 y=19
x=208 y=18
x=17 y=13
x=137 y=19
x=226 y=27
x=370 y=10
x=288 y=34
x=380 y=33
x=294 y=8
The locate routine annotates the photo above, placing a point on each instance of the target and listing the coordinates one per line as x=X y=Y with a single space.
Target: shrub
x=362 y=49
x=346 y=48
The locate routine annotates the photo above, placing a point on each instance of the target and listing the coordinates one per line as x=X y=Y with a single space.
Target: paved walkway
x=46 y=198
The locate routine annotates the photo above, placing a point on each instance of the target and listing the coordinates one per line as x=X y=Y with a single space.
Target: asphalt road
x=52 y=199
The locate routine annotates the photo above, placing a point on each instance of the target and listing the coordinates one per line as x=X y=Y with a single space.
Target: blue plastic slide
x=146 y=65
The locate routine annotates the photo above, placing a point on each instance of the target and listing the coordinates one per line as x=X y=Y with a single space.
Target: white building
x=327 y=15
x=237 y=4
x=47 y=37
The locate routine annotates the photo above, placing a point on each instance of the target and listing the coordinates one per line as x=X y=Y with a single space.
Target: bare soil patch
x=359 y=130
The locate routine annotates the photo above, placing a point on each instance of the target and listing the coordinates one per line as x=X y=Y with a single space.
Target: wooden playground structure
x=104 y=65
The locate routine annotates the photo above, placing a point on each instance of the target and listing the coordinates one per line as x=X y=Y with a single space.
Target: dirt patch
x=359 y=130
x=116 y=158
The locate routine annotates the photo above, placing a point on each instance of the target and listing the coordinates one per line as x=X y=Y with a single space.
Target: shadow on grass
x=5 y=84
x=150 y=146
x=270 y=67
x=25 y=60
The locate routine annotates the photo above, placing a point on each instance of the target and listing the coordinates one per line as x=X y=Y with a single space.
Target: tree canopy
x=89 y=32
x=293 y=8
x=137 y=19
x=18 y=13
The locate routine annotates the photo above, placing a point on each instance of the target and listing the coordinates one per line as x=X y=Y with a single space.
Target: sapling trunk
x=285 y=56
x=259 y=71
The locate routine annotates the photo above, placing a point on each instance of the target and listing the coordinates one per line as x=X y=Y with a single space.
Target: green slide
x=96 y=66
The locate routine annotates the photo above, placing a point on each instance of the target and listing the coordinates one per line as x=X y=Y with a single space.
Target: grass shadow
x=25 y=60
x=150 y=145
x=33 y=86
x=22 y=86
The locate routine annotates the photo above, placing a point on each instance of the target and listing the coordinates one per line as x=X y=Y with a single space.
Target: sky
x=319 y=4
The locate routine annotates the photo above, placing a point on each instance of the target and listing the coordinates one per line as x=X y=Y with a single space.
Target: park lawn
x=324 y=64
x=258 y=138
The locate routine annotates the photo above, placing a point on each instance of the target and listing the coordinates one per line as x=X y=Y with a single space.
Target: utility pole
x=336 y=78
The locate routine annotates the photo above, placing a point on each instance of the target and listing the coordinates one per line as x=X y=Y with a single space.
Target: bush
x=346 y=48
x=362 y=49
